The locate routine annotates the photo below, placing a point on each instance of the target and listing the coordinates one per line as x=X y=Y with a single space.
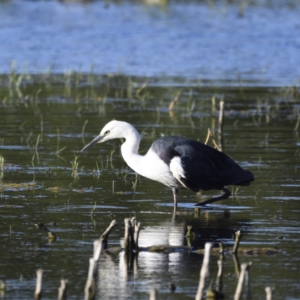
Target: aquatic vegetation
x=58 y=149
x=130 y=248
x=18 y=186
x=134 y=184
x=45 y=123
x=184 y=100
x=1 y=163
x=75 y=164
x=56 y=189
x=51 y=235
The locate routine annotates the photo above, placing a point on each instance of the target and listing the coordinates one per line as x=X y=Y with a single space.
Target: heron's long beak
x=96 y=140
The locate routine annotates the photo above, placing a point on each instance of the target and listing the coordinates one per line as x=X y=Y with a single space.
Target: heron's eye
x=106 y=132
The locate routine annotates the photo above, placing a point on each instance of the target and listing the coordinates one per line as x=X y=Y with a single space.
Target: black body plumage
x=205 y=167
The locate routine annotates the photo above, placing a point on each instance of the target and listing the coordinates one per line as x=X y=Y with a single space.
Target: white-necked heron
x=177 y=162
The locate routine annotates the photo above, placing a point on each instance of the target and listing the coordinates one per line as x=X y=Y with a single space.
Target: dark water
x=207 y=40
x=40 y=136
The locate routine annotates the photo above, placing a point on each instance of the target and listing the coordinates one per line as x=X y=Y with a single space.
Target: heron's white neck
x=141 y=164
x=149 y=165
x=130 y=148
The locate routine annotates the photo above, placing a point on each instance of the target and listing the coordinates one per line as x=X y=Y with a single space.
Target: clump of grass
x=174 y=101
x=82 y=131
x=58 y=150
x=32 y=162
x=36 y=147
x=298 y=121
x=97 y=171
x=125 y=174
x=111 y=155
x=134 y=184
x=210 y=135
x=93 y=210
x=75 y=164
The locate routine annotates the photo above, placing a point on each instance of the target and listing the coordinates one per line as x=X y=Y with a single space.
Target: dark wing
x=205 y=167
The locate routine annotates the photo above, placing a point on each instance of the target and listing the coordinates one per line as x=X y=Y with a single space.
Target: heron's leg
x=175 y=193
x=224 y=196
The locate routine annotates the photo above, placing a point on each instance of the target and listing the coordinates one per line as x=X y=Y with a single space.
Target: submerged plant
x=75 y=165
x=134 y=184
x=93 y=210
x=1 y=163
x=58 y=149
x=97 y=171
x=36 y=147
x=1 y=166
x=82 y=131
x=32 y=162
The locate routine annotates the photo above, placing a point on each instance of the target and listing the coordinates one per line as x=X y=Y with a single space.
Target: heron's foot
x=226 y=195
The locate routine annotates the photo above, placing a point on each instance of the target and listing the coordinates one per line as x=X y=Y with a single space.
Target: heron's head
x=112 y=130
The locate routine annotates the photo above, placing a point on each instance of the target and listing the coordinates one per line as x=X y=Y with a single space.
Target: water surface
x=192 y=40
x=40 y=136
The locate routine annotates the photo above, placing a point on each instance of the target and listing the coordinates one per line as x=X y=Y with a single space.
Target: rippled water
x=190 y=40
x=40 y=135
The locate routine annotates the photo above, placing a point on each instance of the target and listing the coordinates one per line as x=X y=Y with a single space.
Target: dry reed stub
x=38 y=287
x=90 y=286
x=62 y=290
x=244 y=273
x=216 y=294
x=2 y=285
x=268 y=290
x=1 y=163
x=131 y=235
x=248 y=280
x=105 y=234
x=238 y=236
x=204 y=272
x=153 y=294
x=99 y=245
x=97 y=249
x=219 y=280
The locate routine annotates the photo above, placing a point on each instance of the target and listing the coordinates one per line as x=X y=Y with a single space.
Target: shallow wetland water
x=45 y=180
x=191 y=52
